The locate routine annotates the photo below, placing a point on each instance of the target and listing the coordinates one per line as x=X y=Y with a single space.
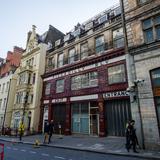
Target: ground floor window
x=85 y=118
x=155 y=78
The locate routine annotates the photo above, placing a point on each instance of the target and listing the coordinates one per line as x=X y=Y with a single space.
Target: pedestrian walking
x=46 y=132
x=131 y=137
x=51 y=130
x=21 y=130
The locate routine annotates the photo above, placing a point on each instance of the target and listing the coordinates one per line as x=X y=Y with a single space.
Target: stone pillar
x=50 y=111
x=68 y=118
x=41 y=118
x=101 y=116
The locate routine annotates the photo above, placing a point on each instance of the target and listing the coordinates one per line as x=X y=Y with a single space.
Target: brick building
x=85 y=81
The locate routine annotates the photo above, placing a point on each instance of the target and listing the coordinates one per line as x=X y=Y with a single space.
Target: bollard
x=36 y=144
x=2 y=153
x=60 y=131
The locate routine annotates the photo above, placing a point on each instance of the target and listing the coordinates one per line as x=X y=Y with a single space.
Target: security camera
x=130 y=89
x=138 y=81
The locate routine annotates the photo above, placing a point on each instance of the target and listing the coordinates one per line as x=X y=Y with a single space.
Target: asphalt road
x=28 y=152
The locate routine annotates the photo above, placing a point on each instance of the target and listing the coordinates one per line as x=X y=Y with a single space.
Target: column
x=68 y=118
x=101 y=116
x=50 y=111
x=41 y=118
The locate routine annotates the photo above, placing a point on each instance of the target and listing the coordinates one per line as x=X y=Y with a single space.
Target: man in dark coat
x=51 y=130
x=131 y=136
x=46 y=132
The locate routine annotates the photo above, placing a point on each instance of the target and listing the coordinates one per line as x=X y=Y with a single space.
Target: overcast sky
x=18 y=16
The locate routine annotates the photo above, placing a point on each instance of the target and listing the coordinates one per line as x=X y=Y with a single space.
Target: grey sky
x=18 y=16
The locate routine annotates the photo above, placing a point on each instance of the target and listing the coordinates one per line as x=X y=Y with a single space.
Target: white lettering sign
x=115 y=94
x=59 y=100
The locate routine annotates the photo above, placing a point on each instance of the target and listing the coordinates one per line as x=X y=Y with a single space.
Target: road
x=28 y=152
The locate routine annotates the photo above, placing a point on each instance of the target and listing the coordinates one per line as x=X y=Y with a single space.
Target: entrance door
x=94 y=124
x=117 y=113
x=59 y=116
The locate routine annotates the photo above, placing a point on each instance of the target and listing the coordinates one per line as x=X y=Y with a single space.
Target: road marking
x=23 y=150
x=43 y=154
x=32 y=152
x=8 y=147
x=59 y=157
x=15 y=149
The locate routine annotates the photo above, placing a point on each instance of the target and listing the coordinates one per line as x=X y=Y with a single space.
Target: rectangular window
x=84 y=50
x=72 y=54
x=151 y=29
x=60 y=60
x=7 y=87
x=3 y=87
x=100 y=44
x=0 y=103
x=118 y=38
x=4 y=104
x=116 y=74
x=47 y=89
x=84 y=81
x=60 y=86
x=143 y=1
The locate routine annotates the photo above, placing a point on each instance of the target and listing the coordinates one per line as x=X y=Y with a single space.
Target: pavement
x=101 y=145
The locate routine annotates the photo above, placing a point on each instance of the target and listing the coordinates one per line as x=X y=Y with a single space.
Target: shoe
x=135 y=151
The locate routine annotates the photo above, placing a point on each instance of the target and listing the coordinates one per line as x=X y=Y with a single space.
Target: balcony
x=26 y=68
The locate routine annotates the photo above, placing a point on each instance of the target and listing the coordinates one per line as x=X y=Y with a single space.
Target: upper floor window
x=100 y=44
x=72 y=56
x=47 y=89
x=60 y=60
x=0 y=87
x=3 y=87
x=4 y=103
x=33 y=78
x=84 y=81
x=7 y=87
x=116 y=74
x=84 y=50
x=60 y=86
x=0 y=103
x=118 y=38
x=50 y=61
x=143 y=1
x=151 y=29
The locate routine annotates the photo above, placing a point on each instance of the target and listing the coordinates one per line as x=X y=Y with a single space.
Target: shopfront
x=155 y=77
x=85 y=118
x=117 y=112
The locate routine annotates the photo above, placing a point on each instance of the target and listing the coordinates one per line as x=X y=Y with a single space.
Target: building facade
x=142 y=19
x=29 y=84
x=85 y=81
x=8 y=67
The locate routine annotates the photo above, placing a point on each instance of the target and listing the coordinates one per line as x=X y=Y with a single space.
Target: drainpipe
x=129 y=64
x=6 y=106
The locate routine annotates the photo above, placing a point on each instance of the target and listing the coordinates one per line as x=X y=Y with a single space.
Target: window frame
x=60 y=88
x=111 y=75
x=102 y=45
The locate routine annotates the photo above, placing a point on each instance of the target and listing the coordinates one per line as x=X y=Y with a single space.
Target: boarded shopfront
x=117 y=113
x=59 y=116
x=155 y=76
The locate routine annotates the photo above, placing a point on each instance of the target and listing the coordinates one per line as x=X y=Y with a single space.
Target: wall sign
x=59 y=100
x=115 y=94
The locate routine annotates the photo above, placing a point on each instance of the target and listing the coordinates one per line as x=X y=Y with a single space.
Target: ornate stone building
x=29 y=84
x=85 y=81
x=142 y=19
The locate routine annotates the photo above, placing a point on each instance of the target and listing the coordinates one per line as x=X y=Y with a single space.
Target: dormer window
x=102 y=19
x=117 y=11
x=67 y=37
x=76 y=32
x=89 y=26
x=57 y=43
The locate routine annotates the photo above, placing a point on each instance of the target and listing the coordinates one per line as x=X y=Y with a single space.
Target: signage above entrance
x=59 y=100
x=115 y=94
